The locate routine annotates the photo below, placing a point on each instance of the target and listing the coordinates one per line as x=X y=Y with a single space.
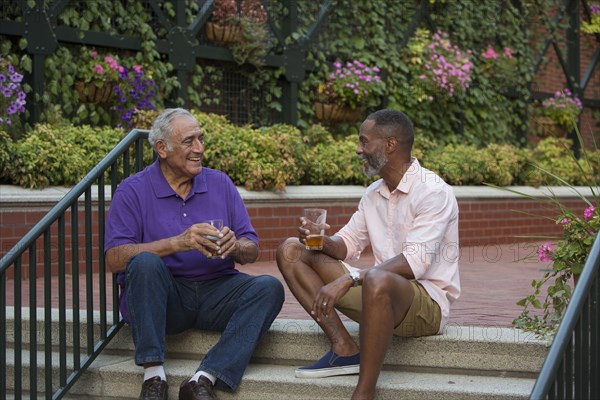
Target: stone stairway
x=465 y=362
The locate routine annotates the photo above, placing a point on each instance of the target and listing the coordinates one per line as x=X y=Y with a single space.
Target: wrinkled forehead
x=185 y=126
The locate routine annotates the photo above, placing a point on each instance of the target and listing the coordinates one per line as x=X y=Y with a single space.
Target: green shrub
x=555 y=156
x=258 y=159
x=335 y=163
x=59 y=154
x=6 y=149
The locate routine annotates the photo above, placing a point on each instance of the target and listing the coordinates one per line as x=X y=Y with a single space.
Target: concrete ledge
x=10 y=194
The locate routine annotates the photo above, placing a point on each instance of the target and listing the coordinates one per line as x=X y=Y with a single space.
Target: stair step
x=465 y=362
x=116 y=377
x=302 y=341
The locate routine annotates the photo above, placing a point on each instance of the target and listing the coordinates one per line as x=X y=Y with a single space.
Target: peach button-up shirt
x=419 y=219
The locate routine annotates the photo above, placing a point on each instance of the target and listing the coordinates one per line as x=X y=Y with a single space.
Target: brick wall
x=482 y=222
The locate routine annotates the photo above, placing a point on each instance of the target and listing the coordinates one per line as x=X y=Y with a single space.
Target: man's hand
x=329 y=295
x=304 y=232
x=196 y=238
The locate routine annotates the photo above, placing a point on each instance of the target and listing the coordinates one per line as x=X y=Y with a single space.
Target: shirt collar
x=162 y=188
x=406 y=182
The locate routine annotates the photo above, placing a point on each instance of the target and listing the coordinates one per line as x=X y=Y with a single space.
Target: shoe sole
x=327 y=372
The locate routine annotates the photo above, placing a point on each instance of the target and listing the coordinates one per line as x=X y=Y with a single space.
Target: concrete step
x=116 y=377
x=464 y=363
x=302 y=341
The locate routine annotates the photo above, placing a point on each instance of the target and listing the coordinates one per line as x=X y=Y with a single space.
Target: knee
x=145 y=263
x=288 y=253
x=270 y=290
x=378 y=283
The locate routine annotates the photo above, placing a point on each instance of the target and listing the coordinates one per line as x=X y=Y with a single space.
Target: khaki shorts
x=423 y=318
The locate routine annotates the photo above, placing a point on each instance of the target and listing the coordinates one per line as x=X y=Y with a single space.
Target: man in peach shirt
x=410 y=219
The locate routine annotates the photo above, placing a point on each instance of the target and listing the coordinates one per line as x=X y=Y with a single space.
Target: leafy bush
x=273 y=157
x=258 y=159
x=59 y=154
x=555 y=156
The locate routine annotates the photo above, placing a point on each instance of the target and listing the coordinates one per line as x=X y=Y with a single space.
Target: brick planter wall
x=487 y=217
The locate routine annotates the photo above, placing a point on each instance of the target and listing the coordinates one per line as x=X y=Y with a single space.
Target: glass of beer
x=315 y=223
x=218 y=225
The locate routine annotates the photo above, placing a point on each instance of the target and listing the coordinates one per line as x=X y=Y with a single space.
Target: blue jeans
x=240 y=306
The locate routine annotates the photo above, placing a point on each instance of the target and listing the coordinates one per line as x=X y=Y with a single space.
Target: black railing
x=53 y=348
x=570 y=370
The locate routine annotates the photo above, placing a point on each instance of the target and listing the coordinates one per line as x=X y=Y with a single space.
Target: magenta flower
x=490 y=53
x=98 y=69
x=545 y=252
x=588 y=213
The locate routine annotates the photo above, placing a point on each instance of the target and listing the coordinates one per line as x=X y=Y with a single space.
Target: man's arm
x=246 y=251
x=193 y=238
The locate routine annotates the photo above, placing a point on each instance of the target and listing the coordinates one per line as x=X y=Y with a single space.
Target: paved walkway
x=493 y=279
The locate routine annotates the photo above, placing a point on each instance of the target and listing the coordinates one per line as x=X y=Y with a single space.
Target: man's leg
x=386 y=298
x=149 y=288
x=242 y=307
x=305 y=273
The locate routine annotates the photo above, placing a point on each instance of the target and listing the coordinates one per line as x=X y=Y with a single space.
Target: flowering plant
x=562 y=108
x=567 y=253
x=12 y=100
x=568 y=257
x=135 y=92
x=99 y=70
x=593 y=26
x=439 y=66
x=227 y=12
x=500 y=67
x=353 y=85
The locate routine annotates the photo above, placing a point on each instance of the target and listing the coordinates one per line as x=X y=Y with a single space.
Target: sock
x=156 y=370
x=198 y=374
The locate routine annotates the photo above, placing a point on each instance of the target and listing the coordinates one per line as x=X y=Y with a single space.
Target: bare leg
x=305 y=273
x=386 y=298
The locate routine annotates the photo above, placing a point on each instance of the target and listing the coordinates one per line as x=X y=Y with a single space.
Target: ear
x=391 y=144
x=161 y=149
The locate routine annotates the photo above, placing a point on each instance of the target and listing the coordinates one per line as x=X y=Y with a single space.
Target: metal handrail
x=12 y=263
x=570 y=370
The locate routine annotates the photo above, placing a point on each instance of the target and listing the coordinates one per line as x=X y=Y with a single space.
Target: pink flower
x=508 y=52
x=94 y=54
x=588 y=213
x=490 y=53
x=98 y=69
x=545 y=252
x=137 y=68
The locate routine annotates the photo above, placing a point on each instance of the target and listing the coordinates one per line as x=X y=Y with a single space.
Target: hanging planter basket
x=222 y=34
x=91 y=93
x=545 y=127
x=335 y=113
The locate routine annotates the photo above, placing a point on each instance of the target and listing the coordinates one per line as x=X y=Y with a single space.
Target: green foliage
x=59 y=155
x=555 y=156
x=470 y=165
x=258 y=159
x=334 y=162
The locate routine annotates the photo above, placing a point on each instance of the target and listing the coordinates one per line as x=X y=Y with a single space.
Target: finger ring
x=324 y=304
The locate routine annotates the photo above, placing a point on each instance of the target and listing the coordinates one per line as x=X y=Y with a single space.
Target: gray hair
x=162 y=129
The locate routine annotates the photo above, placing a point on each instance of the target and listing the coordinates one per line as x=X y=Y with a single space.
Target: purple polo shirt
x=144 y=208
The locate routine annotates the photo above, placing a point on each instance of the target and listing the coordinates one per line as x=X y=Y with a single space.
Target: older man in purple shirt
x=157 y=242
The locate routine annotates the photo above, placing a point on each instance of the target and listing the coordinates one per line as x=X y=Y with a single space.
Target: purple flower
x=545 y=252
